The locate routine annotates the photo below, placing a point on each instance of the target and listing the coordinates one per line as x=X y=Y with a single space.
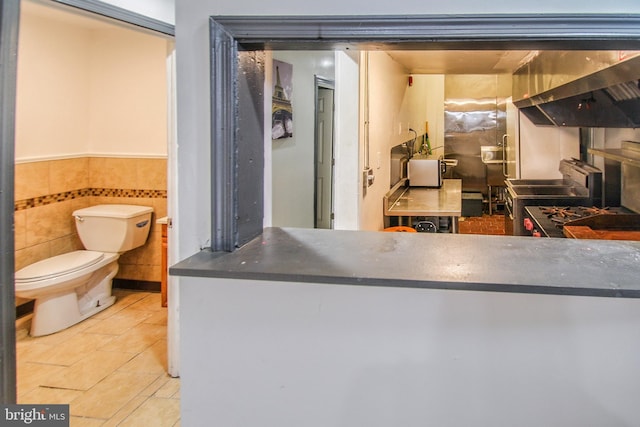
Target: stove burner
x=549 y=221
x=559 y=212
x=562 y=215
x=597 y=211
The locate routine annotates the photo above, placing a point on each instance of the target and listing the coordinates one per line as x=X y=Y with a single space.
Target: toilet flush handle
x=79 y=218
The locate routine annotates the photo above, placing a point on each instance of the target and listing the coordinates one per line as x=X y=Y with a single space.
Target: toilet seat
x=58 y=265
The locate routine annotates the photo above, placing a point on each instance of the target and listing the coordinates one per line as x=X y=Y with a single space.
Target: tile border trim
x=48 y=199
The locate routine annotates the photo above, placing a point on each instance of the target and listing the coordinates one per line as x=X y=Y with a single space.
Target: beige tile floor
x=110 y=369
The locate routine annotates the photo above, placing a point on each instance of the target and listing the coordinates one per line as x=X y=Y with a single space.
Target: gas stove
x=581 y=185
x=547 y=221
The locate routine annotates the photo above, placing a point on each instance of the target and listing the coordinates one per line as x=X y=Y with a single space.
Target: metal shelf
x=629 y=153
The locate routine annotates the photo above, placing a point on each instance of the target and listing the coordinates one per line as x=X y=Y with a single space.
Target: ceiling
x=461 y=61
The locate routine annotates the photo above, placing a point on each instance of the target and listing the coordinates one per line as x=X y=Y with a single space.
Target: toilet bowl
x=74 y=286
x=67 y=288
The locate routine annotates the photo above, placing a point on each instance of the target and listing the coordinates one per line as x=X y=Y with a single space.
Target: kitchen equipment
x=426 y=227
x=551 y=221
x=622 y=168
x=398 y=166
x=402 y=201
x=595 y=90
x=492 y=154
x=581 y=185
x=426 y=172
x=604 y=227
x=475 y=116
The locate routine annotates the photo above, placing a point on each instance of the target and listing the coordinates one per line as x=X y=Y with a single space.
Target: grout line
x=162 y=387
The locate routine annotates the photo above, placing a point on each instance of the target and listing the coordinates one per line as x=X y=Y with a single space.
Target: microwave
x=425 y=172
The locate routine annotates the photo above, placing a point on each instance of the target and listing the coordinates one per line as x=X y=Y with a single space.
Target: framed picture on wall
x=281 y=111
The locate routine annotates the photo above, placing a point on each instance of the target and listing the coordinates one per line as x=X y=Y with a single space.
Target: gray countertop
x=429 y=260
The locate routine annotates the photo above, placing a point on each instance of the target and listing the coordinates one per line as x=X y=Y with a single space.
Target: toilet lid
x=57 y=265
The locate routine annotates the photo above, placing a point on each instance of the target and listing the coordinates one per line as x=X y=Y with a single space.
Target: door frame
x=9 y=25
x=233 y=38
x=9 y=28
x=107 y=10
x=322 y=83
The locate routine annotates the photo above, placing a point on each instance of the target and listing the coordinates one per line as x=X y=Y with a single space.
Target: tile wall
x=47 y=192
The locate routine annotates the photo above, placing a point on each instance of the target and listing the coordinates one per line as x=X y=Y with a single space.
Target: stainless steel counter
x=404 y=201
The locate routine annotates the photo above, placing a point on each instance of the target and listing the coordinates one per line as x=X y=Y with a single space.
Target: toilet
x=74 y=286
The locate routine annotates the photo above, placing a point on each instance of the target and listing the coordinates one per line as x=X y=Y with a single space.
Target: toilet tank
x=113 y=228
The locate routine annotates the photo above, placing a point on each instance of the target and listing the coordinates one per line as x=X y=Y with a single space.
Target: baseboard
x=24 y=309
x=136 y=285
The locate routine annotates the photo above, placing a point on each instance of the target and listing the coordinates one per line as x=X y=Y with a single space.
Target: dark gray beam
x=224 y=146
x=250 y=164
x=507 y=31
x=9 y=22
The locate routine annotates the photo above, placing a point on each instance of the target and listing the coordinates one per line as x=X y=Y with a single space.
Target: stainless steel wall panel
x=549 y=70
x=468 y=121
x=472 y=120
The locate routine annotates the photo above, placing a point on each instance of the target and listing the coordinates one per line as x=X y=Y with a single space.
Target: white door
x=173 y=309
x=324 y=158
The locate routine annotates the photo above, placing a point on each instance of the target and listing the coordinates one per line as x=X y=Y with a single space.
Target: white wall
x=542 y=148
x=289 y=163
x=185 y=9
x=162 y=10
x=614 y=137
x=347 y=180
x=394 y=108
x=193 y=215
x=424 y=102
x=388 y=126
x=193 y=105
x=84 y=91
x=53 y=88
x=192 y=43
x=302 y=354
x=128 y=97
x=292 y=159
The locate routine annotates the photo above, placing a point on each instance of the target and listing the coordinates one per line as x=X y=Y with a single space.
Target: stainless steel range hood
x=584 y=89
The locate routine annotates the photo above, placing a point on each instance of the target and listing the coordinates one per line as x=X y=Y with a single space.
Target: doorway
x=324 y=153
x=11 y=13
x=122 y=120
